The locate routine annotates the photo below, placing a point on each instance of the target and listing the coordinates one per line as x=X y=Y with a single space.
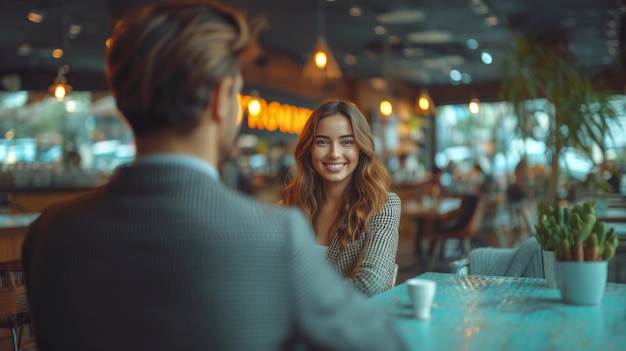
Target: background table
x=502 y=313
x=425 y=215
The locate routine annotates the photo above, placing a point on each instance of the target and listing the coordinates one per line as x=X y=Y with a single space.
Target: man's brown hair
x=165 y=59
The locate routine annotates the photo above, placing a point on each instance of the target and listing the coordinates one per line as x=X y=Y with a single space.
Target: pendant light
x=474 y=105
x=321 y=66
x=386 y=109
x=60 y=88
x=424 y=105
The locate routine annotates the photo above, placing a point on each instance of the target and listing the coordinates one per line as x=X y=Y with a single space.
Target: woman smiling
x=342 y=189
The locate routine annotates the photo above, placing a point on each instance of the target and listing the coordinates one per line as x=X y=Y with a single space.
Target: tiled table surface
x=502 y=313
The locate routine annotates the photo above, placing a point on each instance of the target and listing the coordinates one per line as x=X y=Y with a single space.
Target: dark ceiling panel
x=592 y=30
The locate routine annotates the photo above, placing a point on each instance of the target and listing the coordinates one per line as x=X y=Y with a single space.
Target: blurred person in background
x=612 y=175
x=407 y=172
x=517 y=190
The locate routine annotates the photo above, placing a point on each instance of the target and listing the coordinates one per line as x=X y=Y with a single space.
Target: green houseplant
x=578 y=106
x=576 y=234
x=582 y=245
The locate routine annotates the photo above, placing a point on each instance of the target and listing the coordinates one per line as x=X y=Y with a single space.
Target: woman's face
x=335 y=154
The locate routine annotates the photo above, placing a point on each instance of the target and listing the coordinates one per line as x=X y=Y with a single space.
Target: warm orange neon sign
x=274 y=116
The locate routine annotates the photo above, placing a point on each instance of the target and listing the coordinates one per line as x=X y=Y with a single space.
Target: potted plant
x=582 y=246
x=578 y=106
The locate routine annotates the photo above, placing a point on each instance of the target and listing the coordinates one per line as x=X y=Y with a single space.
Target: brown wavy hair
x=166 y=58
x=367 y=193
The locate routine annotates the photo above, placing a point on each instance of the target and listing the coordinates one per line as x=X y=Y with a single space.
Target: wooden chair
x=464 y=232
x=13 y=304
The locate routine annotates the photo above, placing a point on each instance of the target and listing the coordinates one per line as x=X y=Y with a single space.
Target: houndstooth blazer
x=166 y=258
x=369 y=265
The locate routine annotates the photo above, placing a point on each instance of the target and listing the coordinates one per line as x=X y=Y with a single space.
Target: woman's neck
x=327 y=221
x=328 y=218
x=335 y=193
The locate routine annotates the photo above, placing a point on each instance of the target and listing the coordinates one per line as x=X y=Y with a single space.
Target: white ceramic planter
x=549 y=268
x=582 y=283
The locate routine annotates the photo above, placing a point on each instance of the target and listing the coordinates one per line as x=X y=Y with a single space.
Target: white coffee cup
x=422 y=295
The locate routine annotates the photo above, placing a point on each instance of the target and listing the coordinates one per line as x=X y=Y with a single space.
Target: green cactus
x=575 y=233
x=566 y=254
x=600 y=231
x=578 y=208
x=576 y=223
x=589 y=207
x=590 y=221
x=554 y=241
x=592 y=249
x=608 y=252
x=610 y=235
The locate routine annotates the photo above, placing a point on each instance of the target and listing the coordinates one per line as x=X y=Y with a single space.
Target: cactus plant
x=576 y=234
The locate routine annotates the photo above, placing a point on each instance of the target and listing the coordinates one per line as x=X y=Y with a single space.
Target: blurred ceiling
x=420 y=43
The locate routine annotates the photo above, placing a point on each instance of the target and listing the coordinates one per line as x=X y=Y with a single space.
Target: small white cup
x=422 y=294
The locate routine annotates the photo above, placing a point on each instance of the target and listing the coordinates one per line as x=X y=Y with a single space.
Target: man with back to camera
x=164 y=256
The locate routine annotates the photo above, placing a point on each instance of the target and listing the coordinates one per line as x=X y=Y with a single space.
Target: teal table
x=500 y=313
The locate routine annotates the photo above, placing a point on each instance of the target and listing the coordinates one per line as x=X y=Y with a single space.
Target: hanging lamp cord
x=320 y=18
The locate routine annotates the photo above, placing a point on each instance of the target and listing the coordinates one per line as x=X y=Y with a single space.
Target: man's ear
x=221 y=99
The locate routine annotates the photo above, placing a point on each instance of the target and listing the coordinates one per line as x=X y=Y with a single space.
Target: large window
x=494 y=139
x=73 y=142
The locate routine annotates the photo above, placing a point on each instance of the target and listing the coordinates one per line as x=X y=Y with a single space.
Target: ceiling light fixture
x=57 y=53
x=322 y=65
x=349 y=60
x=466 y=78
x=430 y=37
x=25 y=49
x=378 y=83
x=386 y=108
x=424 y=104
x=74 y=30
x=491 y=20
x=455 y=75
x=380 y=30
x=355 y=11
x=36 y=16
x=401 y=17
x=486 y=58
x=474 y=105
x=472 y=43
x=408 y=52
x=60 y=88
